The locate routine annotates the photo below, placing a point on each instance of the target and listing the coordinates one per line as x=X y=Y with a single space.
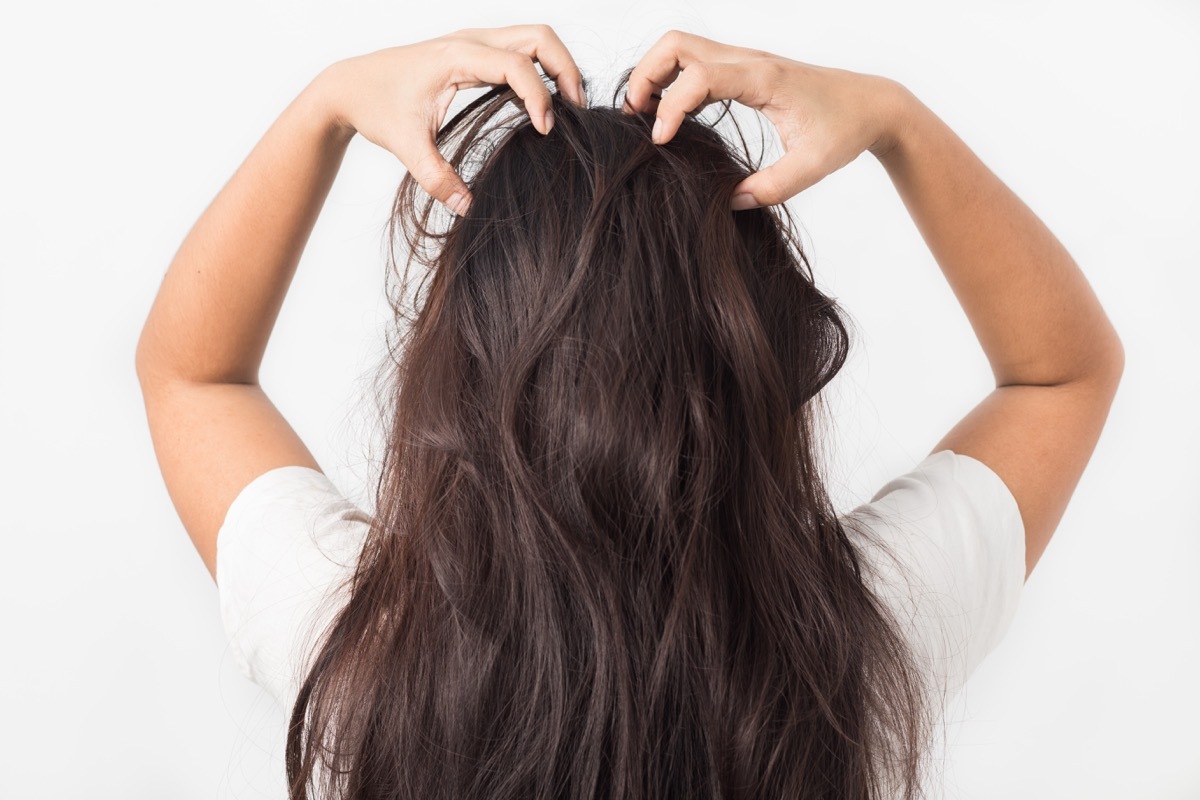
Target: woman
x=602 y=562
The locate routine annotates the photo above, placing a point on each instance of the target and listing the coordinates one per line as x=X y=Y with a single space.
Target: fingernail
x=457 y=203
x=742 y=201
x=548 y=120
x=657 y=130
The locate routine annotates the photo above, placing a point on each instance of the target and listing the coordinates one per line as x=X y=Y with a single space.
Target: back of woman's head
x=603 y=563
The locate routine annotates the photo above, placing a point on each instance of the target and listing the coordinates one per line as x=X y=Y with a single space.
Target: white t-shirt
x=290 y=538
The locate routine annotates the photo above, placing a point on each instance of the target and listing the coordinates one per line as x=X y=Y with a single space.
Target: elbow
x=140 y=366
x=145 y=365
x=141 y=360
x=1112 y=365
x=1117 y=358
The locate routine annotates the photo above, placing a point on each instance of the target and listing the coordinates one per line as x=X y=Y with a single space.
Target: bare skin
x=214 y=428
x=1056 y=358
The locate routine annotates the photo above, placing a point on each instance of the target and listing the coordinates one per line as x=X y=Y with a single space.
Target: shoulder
x=944 y=548
x=285 y=551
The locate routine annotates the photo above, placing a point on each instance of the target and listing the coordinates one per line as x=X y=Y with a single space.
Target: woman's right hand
x=826 y=117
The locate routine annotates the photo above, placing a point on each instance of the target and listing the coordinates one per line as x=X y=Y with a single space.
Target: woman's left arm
x=214 y=429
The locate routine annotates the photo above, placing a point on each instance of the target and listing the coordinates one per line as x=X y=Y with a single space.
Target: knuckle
x=516 y=63
x=698 y=72
x=533 y=34
x=770 y=188
x=440 y=184
x=672 y=38
x=772 y=68
x=453 y=47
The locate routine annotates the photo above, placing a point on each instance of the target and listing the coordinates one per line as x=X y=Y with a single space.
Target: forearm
x=1030 y=306
x=221 y=295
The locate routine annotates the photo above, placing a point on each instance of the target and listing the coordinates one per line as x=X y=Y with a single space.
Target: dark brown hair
x=603 y=563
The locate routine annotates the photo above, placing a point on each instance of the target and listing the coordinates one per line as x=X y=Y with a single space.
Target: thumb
x=435 y=175
x=786 y=178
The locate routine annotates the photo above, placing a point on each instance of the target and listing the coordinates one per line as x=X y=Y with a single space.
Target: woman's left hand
x=398 y=97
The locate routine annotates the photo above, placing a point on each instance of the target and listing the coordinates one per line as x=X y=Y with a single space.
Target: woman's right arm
x=1054 y=354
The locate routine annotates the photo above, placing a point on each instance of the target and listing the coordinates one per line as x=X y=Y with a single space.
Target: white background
x=122 y=121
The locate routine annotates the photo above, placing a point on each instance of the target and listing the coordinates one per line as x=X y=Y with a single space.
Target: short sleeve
x=947 y=554
x=288 y=545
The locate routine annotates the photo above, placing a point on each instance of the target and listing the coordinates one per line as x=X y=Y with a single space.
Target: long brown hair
x=603 y=563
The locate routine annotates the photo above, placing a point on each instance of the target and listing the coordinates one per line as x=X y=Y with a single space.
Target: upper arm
x=1038 y=439
x=211 y=440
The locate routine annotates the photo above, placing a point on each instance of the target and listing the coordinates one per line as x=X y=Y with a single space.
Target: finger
x=416 y=150
x=649 y=107
x=645 y=99
x=661 y=64
x=543 y=45
x=794 y=172
x=549 y=51
x=701 y=83
x=488 y=65
x=649 y=78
